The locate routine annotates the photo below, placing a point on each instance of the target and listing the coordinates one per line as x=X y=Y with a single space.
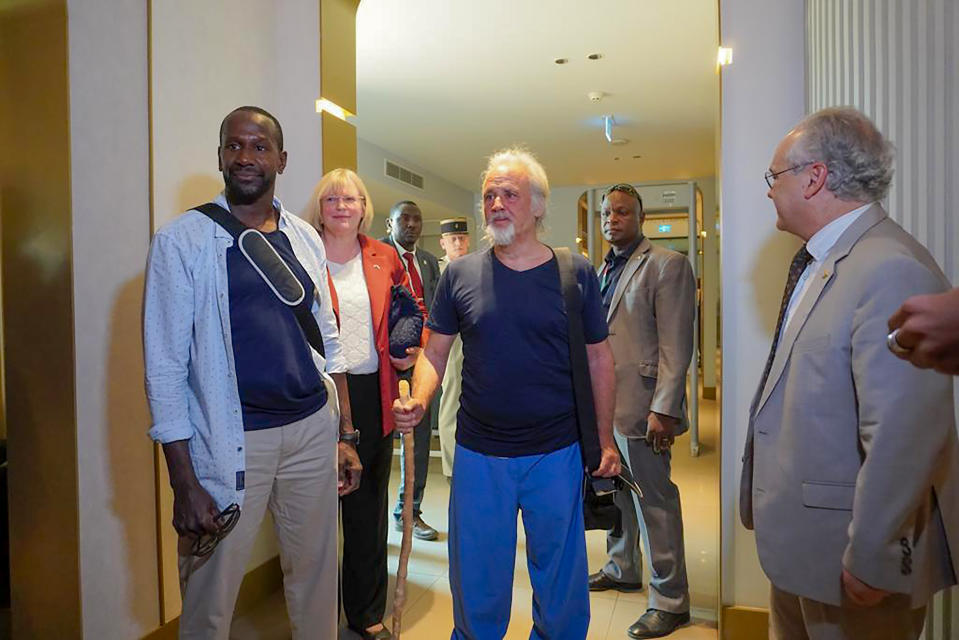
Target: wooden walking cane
x=399 y=596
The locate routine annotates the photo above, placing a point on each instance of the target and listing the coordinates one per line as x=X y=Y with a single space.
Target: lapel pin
x=825 y=274
x=376 y=266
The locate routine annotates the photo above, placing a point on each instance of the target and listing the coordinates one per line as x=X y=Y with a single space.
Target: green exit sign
x=665 y=228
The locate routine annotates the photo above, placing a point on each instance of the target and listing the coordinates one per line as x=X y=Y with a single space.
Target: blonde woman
x=362 y=274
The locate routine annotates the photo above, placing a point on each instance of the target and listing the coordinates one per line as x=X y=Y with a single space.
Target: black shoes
x=421 y=530
x=599 y=581
x=656 y=624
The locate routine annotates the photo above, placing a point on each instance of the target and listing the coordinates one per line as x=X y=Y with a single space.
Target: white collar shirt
x=400 y=249
x=819 y=246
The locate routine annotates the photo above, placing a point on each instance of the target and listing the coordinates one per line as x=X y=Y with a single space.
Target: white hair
x=858 y=157
x=538 y=182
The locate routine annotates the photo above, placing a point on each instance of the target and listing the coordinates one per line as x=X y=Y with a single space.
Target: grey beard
x=499 y=237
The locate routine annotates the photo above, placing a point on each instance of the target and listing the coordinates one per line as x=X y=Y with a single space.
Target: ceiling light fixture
x=725 y=56
x=561 y=60
x=608 y=122
x=595 y=56
x=333 y=109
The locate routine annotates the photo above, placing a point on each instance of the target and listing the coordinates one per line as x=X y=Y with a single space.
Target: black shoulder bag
x=599 y=510
x=271 y=267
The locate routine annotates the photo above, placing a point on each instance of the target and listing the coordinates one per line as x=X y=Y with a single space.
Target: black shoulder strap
x=582 y=386
x=302 y=312
x=223 y=218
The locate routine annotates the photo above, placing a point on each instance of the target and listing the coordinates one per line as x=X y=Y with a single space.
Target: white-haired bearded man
x=517 y=439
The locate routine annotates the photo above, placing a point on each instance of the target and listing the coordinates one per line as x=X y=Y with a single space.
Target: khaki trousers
x=796 y=618
x=291 y=469
x=449 y=404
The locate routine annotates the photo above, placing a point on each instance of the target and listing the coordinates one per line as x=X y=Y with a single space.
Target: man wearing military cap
x=455 y=240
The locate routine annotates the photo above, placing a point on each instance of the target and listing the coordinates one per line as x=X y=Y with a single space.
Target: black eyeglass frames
x=225 y=520
x=771 y=177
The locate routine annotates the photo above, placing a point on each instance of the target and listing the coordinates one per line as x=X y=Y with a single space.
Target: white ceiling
x=445 y=83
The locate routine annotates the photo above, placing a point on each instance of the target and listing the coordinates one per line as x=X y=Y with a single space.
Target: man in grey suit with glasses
x=851 y=467
x=649 y=295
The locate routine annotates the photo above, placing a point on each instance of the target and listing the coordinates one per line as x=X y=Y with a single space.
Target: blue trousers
x=487 y=493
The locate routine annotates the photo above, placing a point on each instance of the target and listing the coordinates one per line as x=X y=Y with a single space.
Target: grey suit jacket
x=851 y=456
x=651 y=334
x=429 y=269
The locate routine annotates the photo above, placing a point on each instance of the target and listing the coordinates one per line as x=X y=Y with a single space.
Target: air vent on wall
x=403 y=174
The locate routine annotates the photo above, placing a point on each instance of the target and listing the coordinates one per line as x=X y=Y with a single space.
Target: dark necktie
x=414 y=274
x=799 y=263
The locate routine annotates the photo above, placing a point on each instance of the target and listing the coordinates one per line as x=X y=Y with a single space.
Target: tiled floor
x=429 y=609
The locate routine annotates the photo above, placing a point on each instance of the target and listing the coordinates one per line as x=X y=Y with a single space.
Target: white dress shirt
x=400 y=249
x=819 y=246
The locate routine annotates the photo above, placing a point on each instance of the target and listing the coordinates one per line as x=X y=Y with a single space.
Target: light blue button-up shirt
x=190 y=373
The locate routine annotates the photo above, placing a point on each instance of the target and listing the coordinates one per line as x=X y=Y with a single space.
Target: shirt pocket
x=828 y=495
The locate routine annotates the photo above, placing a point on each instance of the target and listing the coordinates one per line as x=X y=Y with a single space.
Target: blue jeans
x=487 y=493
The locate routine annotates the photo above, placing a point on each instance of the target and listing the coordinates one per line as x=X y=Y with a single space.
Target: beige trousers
x=291 y=469
x=450 y=404
x=796 y=618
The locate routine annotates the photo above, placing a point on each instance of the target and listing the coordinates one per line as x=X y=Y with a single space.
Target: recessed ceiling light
x=561 y=60
x=616 y=158
x=595 y=56
x=637 y=157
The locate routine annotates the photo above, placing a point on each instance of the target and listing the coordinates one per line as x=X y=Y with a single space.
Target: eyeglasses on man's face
x=771 y=176
x=349 y=201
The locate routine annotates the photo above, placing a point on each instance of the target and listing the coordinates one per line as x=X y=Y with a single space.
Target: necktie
x=796 y=268
x=414 y=274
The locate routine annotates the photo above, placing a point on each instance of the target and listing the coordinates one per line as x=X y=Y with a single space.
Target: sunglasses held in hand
x=225 y=521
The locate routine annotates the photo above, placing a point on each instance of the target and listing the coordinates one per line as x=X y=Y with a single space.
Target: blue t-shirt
x=517 y=396
x=275 y=373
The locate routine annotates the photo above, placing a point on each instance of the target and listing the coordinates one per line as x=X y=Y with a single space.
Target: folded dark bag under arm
x=275 y=272
x=406 y=321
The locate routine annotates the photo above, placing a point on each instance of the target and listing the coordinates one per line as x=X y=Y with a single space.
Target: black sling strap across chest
x=590 y=448
x=579 y=362
x=264 y=259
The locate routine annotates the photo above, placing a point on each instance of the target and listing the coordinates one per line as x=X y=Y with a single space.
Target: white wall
x=762 y=97
x=213 y=56
x=111 y=231
x=897 y=61
x=438 y=199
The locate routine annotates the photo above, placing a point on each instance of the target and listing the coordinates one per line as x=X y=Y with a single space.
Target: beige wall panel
x=111 y=230
x=339 y=143
x=338 y=52
x=38 y=315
